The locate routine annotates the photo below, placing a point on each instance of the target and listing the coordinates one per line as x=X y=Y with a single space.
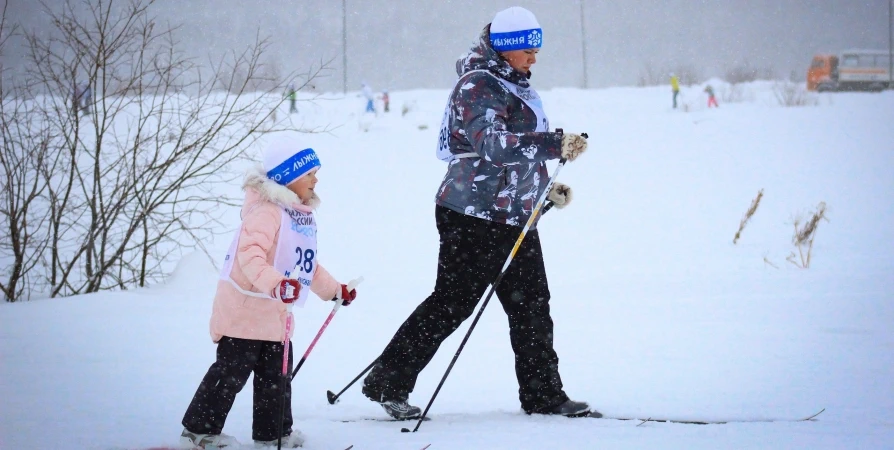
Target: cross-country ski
x=681 y=420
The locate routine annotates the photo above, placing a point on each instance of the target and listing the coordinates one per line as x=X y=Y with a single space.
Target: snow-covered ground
x=657 y=313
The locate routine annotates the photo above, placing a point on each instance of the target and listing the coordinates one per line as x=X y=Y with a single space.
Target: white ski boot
x=190 y=440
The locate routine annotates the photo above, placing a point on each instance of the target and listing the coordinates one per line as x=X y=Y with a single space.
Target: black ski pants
x=236 y=360
x=472 y=252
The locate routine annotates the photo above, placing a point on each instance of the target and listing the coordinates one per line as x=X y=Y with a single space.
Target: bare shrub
x=746 y=73
x=805 y=233
x=408 y=107
x=740 y=74
x=736 y=93
x=751 y=210
x=106 y=191
x=688 y=74
x=651 y=75
x=790 y=94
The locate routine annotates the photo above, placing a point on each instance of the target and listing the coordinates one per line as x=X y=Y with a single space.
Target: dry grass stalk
x=804 y=236
x=751 y=210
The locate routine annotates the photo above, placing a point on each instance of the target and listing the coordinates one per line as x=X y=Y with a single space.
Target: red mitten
x=287 y=290
x=344 y=295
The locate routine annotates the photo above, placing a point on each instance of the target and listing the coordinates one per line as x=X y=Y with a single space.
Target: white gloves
x=560 y=195
x=573 y=145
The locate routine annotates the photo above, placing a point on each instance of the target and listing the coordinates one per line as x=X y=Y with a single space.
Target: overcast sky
x=406 y=44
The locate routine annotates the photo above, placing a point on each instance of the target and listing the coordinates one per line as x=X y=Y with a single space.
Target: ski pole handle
x=353 y=283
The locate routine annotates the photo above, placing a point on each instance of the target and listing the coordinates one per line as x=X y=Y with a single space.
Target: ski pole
x=534 y=216
x=285 y=358
x=351 y=285
x=333 y=398
x=285 y=372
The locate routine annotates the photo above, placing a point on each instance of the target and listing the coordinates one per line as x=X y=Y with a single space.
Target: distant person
x=386 y=101
x=495 y=134
x=262 y=273
x=711 y=99
x=292 y=95
x=86 y=98
x=675 y=86
x=368 y=94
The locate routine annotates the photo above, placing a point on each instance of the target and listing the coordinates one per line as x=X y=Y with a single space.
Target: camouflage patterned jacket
x=483 y=116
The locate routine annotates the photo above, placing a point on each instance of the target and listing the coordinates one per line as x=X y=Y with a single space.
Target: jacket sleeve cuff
x=324 y=284
x=553 y=145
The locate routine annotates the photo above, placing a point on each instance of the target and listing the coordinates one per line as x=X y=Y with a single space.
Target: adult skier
x=496 y=141
x=292 y=95
x=675 y=87
x=368 y=95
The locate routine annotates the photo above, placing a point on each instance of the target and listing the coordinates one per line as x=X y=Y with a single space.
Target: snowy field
x=657 y=313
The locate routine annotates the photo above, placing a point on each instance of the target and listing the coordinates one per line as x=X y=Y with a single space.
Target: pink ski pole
x=285 y=355
x=285 y=373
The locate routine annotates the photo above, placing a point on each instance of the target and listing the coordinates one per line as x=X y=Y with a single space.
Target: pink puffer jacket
x=237 y=315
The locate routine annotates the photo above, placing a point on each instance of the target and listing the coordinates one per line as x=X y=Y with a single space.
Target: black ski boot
x=401 y=410
x=376 y=389
x=570 y=408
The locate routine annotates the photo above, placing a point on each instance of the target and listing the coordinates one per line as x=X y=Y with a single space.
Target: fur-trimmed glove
x=560 y=195
x=573 y=145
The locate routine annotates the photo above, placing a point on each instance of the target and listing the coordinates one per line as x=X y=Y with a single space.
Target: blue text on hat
x=294 y=167
x=517 y=40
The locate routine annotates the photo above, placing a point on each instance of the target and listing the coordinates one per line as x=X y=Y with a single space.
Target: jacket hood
x=483 y=57
x=270 y=191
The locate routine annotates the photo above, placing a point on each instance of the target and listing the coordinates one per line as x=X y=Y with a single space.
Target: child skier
x=711 y=99
x=271 y=262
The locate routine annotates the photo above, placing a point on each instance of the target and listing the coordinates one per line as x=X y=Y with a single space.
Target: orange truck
x=852 y=70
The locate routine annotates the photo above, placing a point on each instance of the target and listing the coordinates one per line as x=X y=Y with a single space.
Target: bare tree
x=652 y=75
x=134 y=137
x=655 y=75
x=22 y=237
x=688 y=74
x=742 y=73
x=745 y=72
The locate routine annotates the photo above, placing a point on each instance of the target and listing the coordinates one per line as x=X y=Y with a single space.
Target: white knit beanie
x=515 y=28
x=285 y=161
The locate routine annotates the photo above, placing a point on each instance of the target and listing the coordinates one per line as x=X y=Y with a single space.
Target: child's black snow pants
x=236 y=360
